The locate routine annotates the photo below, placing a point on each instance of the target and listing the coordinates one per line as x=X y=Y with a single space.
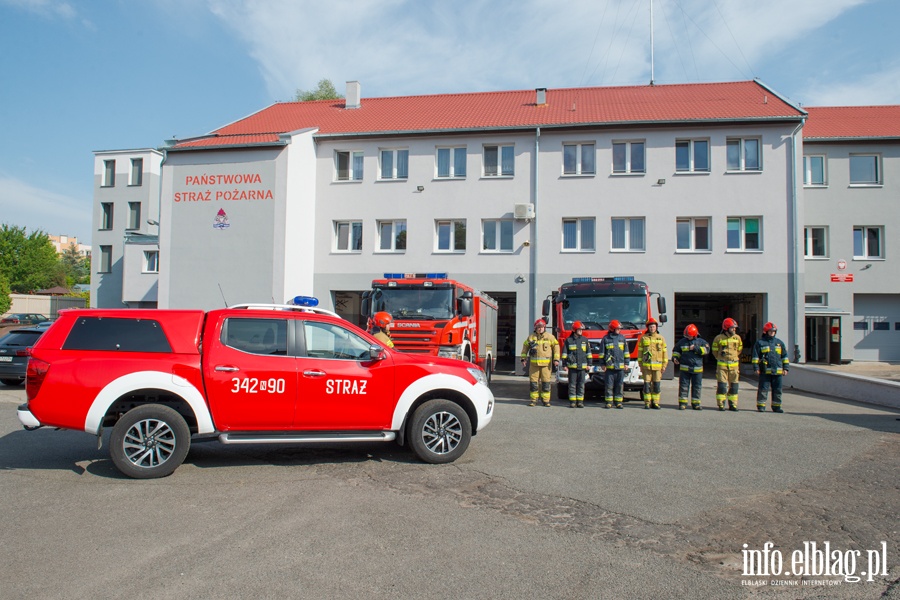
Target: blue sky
x=76 y=77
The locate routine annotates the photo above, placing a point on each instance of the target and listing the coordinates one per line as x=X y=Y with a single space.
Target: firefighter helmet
x=728 y=324
x=769 y=327
x=577 y=325
x=652 y=321
x=383 y=319
x=614 y=324
x=540 y=323
x=691 y=331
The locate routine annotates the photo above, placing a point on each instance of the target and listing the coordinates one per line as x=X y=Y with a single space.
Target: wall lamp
x=152 y=222
x=660 y=182
x=420 y=188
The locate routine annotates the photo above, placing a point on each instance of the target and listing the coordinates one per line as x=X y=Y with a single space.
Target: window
x=327 y=340
x=348 y=166
x=451 y=236
x=744 y=233
x=816 y=300
x=134 y=215
x=692 y=234
x=109 y=173
x=256 y=336
x=814 y=170
x=451 y=162
x=743 y=154
x=815 y=242
x=105 y=265
x=137 y=171
x=497 y=236
x=578 y=235
x=394 y=164
x=867 y=242
x=864 y=169
x=861 y=326
x=117 y=335
x=578 y=159
x=499 y=161
x=692 y=156
x=881 y=326
x=392 y=236
x=106 y=215
x=628 y=234
x=348 y=236
x=151 y=261
x=628 y=157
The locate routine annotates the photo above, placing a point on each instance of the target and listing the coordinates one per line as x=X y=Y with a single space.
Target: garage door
x=876 y=327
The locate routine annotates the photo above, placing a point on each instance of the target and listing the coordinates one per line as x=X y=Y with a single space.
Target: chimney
x=351 y=100
x=541 y=96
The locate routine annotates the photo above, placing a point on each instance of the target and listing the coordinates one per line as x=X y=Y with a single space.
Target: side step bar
x=307 y=438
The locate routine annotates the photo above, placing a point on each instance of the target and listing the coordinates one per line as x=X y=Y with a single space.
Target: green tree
x=5 y=300
x=76 y=268
x=325 y=91
x=28 y=261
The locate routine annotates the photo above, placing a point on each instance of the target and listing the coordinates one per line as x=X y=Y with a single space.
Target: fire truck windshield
x=417 y=302
x=596 y=311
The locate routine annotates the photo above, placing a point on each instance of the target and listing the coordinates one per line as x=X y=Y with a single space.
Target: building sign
x=206 y=187
x=842 y=278
x=842 y=264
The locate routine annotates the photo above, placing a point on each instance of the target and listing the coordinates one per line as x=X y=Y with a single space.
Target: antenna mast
x=651 y=43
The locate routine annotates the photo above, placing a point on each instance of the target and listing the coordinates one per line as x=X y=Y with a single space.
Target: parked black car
x=14 y=353
x=24 y=319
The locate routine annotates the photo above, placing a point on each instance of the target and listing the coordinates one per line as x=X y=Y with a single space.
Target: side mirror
x=661 y=307
x=376 y=352
x=465 y=307
x=545 y=308
x=663 y=318
x=365 y=304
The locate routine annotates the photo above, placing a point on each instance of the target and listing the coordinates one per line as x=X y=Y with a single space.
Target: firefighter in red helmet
x=614 y=360
x=381 y=328
x=576 y=356
x=539 y=352
x=653 y=356
x=688 y=357
x=770 y=363
x=727 y=348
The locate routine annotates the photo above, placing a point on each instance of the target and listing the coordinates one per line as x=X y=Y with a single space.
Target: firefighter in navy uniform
x=727 y=348
x=576 y=355
x=538 y=352
x=688 y=357
x=381 y=328
x=770 y=363
x=614 y=360
x=653 y=356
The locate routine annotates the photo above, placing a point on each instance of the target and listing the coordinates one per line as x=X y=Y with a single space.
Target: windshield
x=417 y=303
x=595 y=312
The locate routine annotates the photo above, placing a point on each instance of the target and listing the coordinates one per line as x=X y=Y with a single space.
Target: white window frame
x=693 y=225
x=353 y=175
x=395 y=154
x=134 y=216
x=808 y=246
x=865 y=229
x=105 y=263
x=692 y=154
x=136 y=175
x=741 y=166
x=743 y=233
x=815 y=299
x=501 y=149
x=581 y=149
x=109 y=173
x=498 y=225
x=878 y=170
x=454 y=171
x=455 y=245
x=808 y=171
x=354 y=244
x=629 y=155
x=106 y=216
x=151 y=261
x=629 y=246
x=396 y=227
x=579 y=227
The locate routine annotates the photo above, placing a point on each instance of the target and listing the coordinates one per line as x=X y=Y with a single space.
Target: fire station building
x=703 y=191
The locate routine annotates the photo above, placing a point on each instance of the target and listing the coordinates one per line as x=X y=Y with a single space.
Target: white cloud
x=882 y=87
x=45 y=8
x=34 y=208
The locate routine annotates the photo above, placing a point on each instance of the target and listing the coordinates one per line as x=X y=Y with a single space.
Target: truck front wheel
x=440 y=431
x=149 y=441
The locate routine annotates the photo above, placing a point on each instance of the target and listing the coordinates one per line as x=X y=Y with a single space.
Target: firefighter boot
x=777 y=409
x=573 y=404
x=656 y=405
x=608 y=405
x=580 y=404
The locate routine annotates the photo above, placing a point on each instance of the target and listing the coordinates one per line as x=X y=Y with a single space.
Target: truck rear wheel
x=440 y=431
x=149 y=441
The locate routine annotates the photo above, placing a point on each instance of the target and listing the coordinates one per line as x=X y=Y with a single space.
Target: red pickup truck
x=246 y=374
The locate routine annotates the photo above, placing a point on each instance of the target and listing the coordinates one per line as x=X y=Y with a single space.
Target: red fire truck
x=437 y=315
x=595 y=301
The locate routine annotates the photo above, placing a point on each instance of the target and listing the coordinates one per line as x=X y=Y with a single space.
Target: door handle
x=226 y=368
x=311 y=373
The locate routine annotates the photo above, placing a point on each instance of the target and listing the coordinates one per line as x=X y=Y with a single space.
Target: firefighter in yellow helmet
x=653 y=355
x=727 y=348
x=538 y=352
x=382 y=328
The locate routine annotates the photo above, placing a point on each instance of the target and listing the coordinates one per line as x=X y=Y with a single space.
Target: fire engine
x=595 y=301
x=437 y=315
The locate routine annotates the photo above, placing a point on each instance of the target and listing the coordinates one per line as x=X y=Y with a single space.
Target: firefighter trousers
x=539 y=380
x=577 y=378
x=766 y=381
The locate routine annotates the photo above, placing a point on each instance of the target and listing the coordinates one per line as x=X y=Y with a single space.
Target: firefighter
x=770 y=363
x=576 y=355
x=688 y=357
x=381 y=328
x=614 y=360
x=538 y=352
x=653 y=356
x=727 y=348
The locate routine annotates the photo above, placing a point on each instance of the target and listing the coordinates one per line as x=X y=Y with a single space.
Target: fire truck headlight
x=449 y=352
x=478 y=374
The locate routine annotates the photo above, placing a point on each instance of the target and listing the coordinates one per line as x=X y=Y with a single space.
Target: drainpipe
x=795 y=240
x=533 y=292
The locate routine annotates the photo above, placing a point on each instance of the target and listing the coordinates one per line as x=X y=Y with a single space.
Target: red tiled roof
x=842 y=122
x=743 y=100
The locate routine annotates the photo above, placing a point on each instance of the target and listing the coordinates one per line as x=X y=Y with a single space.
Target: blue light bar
x=307 y=301
x=415 y=276
x=617 y=279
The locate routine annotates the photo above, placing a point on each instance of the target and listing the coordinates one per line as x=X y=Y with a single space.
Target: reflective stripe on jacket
x=540 y=349
x=576 y=352
x=770 y=356
x=652 y=351
x=614 y=351
x=727 y=350
x=690 y=360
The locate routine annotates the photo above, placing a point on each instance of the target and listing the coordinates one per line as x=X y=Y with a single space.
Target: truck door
x=251 y=381
x=339 y=387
